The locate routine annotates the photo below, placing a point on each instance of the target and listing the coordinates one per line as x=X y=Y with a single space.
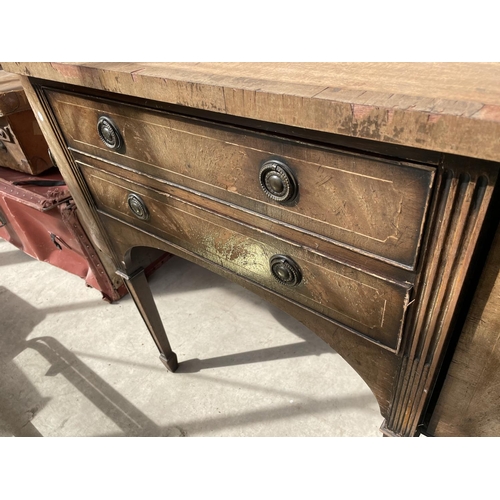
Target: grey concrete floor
x=73 y=365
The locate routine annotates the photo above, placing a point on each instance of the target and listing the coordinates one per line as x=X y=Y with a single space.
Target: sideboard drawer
x=369 y=305
x=360 y=199
x=372 y=205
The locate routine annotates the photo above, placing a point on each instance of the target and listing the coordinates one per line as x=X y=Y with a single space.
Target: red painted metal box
x=38 y=215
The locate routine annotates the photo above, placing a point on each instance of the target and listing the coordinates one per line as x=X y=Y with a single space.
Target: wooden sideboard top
x=445 y=107
x=452 y=108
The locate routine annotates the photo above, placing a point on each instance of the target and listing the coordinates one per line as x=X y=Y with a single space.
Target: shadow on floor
x=14 y=257
x=181 y=276
x=110 y=402
x=200 y=427
x=20 y=401
x=288 y=351
x=133 y=422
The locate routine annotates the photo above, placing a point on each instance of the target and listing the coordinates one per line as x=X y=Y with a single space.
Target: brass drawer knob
x=109 y=133
x=137 y=206
x=278 y=181
x=285 y=270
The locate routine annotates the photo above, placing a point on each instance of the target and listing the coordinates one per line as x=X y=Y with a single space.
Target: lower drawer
x=368 y=305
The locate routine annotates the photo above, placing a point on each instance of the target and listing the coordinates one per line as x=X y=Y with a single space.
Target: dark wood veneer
x=397 y=226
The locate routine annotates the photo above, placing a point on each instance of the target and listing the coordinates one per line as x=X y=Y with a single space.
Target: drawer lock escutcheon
x=285 y=270
x=137 y=206
x=109 y=133
x=278 y=181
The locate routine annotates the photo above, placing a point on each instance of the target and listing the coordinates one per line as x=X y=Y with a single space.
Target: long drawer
x=374 y=206
x=368 y=305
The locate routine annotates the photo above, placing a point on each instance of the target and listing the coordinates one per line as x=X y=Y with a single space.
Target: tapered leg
x=139 y=290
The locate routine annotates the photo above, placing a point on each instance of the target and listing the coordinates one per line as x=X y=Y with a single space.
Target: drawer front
x=377 y=207
x=368 y=305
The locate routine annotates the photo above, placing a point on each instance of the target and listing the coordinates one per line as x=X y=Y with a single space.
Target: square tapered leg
x=139 y=290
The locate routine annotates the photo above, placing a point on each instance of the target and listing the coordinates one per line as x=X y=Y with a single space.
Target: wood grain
x=370 y=305
x=365 y=203
x=469 y=402
x=460 y=209
x=377 y=366
x=300 y=236
x=440 y=108
x=64 y=163
x=12 y=96
x=22 y=145
x=450 y=107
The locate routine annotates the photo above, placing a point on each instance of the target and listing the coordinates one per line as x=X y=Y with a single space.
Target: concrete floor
x=73 y=365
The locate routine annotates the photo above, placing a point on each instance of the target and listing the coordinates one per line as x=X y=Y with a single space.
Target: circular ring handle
x=278 y=181
x=285 y=270
x=137 y=206
x=109 y=133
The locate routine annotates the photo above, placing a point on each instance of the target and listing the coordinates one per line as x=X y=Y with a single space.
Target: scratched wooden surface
x=365 y=203
x=438 y=108
x=375 y=364
x=12 y=96
x=446 y=107
x=469 y=402
x=22 y=145
x=370 y=305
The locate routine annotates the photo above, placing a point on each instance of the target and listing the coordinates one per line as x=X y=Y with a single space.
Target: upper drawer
x=370 y=205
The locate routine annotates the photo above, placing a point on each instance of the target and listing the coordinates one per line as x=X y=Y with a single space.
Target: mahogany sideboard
x=362 y=199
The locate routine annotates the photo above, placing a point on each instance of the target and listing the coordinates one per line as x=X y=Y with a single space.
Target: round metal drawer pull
x=109 y=133
x=278 y=181
x=285 y=270
x=137 y=206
